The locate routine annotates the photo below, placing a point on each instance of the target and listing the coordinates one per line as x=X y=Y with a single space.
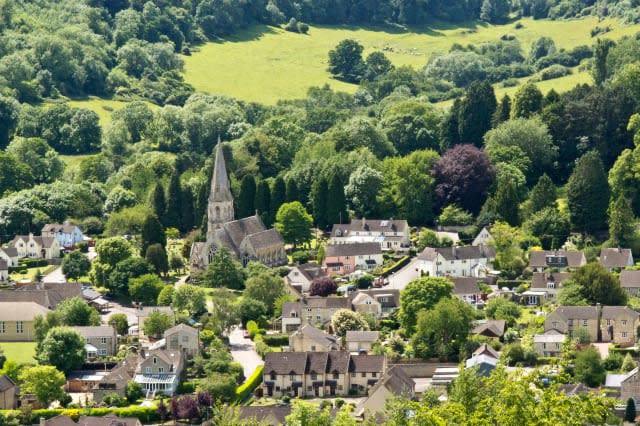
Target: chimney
x=364 y=222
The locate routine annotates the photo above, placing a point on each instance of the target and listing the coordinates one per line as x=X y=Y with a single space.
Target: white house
x=467 y=261
x=301 y=276
x=392 y=235
x=466 y=289
x=67 y=235
x=36 y=247
x=482 y=238
x=9 y=255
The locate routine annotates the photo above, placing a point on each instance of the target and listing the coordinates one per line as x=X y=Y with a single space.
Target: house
x=391 y=235
x=454 y=237
x=49 y=295
x=301 y=276
x=548 y=343
x=393 y=384
x=466 y=289
x=68 y=235
x=117 y=379
x=269 y=414
x=548 y=283
x=366 y=304
x=144 y=311
x=100 y=341
x=315 y=310
x=483 y=237
x=342 y=259
x=108 y=420
x=36 y=247
x=630 y=386
x=615 y=259
x=16 y=320
x=247 y=238
x=466 y=261
x=539 y=260
x=309 y=339
x=4 y=270
x=361 y=341
x=388 y=300
x=490 y=328
x=159 y=371
x=183 y=338
x=8 y=393
x=85 y=380
x=617 y=324
x=630 y=281
x=319 y=374
x=485 y=359
x=9 y=255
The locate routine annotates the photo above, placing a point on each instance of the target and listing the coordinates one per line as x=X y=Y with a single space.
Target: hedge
x=33 y=263
x=623 y=351
x=187 y=387
x=245 y=389
x=144 y=414
x=276 y=339
x=393 y=268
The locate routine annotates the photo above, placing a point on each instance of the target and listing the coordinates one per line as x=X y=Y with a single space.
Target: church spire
x=220 y=188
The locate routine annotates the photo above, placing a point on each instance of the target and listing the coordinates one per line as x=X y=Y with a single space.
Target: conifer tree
x=503 y=111
x=278 y=195
x=293 y=194
x=246 y=200
x=621 y=223
x=319 y=197
x=187 y=210
x=506 y=200
x=588 y=193
x=449 y=135
x=158 y=201
x=630 y=411
x=263 y=202
x=174 y=200
x=543 y=194
x=152 y=233
x=476 y=111
x=336 y=202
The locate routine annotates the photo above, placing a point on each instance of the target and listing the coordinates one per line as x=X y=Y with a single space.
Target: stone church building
x=247 y=239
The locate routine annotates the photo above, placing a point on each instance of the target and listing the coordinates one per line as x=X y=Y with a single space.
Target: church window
x=212 y=252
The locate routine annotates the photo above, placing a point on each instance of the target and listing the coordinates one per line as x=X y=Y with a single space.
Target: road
x=243 y=351
x=404 y=276
x=56 y=276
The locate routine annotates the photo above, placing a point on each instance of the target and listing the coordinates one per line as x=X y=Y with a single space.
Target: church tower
x=220 y=209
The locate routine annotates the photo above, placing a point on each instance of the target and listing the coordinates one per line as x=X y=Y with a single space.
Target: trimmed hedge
x=244 y=390
x=144 y=414
x=623 y=351
x=396 y=266
x=276 y=339
x=33 y=263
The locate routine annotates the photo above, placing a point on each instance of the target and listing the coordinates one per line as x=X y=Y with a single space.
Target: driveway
x=404 y=276
x=244 y=352
x=56 y=276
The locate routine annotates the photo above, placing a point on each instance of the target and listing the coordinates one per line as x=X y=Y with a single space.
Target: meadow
x=265 y=64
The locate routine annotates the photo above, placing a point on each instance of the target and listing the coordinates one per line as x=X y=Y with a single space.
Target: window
x=272 y=376
x=292 y=377
x=19 y=327
x=608 y=322
x=554 y=324
x=544 y=346
x=624 y=334
x=368 y=302
x=102 y=352
x=570 y=323
x=318 y=317
x=557 y=345
x=336 y=376
x=103 y=340
x=452 y=262
x=314 y=377
x=155 y=360
x=185 y=339
x=624 y=322
x=160 y=370
x=364 y=374
x=147 y=370
x=585 y=322
x=551 y=284
x=309 y=388
x=374 y=375
x=2 y=327
x=313 y=348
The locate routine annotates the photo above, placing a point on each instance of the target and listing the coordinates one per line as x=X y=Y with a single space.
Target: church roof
x=238 y=230
x=220 y=188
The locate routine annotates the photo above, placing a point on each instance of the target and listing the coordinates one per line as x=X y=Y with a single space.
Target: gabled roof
x=457 y=253
x=396 y=381
x=577 y=312
x=573 y=389
x=490 y=328
x=6 y=383
x=352 y=249
x=238 y=230
x=145 y=311
x=181 y=328
x=21 y=311
x=362 y=336
x=310 y=270
x=121 y=374
x=49 y=295
x=65 y=228
x=10 y=251
x=550 y=336
x=366 y=363
x=574 y=259
x=172 y=358
x=387 y=297
x=369 y=225
x=220 y=188
x=630 y=279
x=485 y=349
x=317 y=335
x=540 y=279
x=276 y=414
x=465 y=285
x=3 y=265
x=316 y=362
x=338 y=362
x=45 y=242
x=283 y=363
x=611 y=312
x=266 y=238
x=96 y=331
x=615 y=257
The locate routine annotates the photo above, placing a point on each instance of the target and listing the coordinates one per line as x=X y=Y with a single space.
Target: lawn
x=21 y=352
x=31 y=273
x=103 y=107
x=264 y=63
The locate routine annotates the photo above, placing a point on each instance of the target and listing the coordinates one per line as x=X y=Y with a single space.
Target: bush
x=292 y=25
x=300 y=257
x=276 y=339
x=187 y=387
x=83 y=246
x=252 y=328
x=554 y=71
x=396 y=266
x=302 y=28
x=245 y=389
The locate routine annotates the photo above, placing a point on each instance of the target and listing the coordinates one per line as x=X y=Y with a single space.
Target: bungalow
x=100 y=341
x=159 y=371
x=548 y=343
x=183 y=338
x=68 y=235
x=342 y=259
x=16 y=320
x=539 y=260
x=300 y=276
x=9 y=255
x=466 y=289
x=390 y=235
x=615 y=259
x=466 y=261
x=361 y=341
x=310 y=339
x=393 y=384
x=630 y=281
x=36 y=247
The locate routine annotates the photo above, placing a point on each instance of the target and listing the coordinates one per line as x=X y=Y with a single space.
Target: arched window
x=212 y=252
x=217 y=213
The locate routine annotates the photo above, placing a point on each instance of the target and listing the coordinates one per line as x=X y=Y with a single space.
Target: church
x=247 y=239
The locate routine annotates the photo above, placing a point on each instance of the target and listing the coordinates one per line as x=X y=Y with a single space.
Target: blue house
x=67 y=235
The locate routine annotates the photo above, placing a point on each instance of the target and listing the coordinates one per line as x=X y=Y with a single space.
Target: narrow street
x=243 y=351
x=404 y=276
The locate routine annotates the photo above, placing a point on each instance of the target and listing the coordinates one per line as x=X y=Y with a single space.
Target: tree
x=145 y=289
x=120 y=323
x=224 y=311
x=43 y=381
x=476 y=110
x=189 y=298
x=44 y=162
x=9 y=108
x=509 y=255
x=75 y=265
x=571 y=294
x=442 y=331
x=503 y=111
x=628 y=363
x=112 y=250
x=246 y=198
x=294 y=223
x=411 y=125
x=630 y=411
x=507 y=202
x=376 y=65
x=224 y=271
x=600 y=54
x=550 y=226
x=543 y=194
x=322 y=286
x=152 y=233
x=588 y=193
x=599 y=285
x=307 y=414
x=63 y=348
x=588 y=367
x=622 y=232
x=292 y=193
x=172 y=214
x=75 y=312
x=361 y=192
x=502 y=309
x=158 y=200
x=494 y=11
x=165 y=297
x=266 y=288
x=278 y=195
x=463 y=175
x=336 y=203
x=421 y=294
x=156 y=256
x=156 y=324
x=133 y=391
x=251 y=310
x=319 y=198
x=263 y=202
x=133 y=267
x=344 y=320
x=527 y=101
x=345 y=61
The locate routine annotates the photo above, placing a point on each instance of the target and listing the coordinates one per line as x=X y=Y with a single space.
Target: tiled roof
x=387 y=297
x=96 y=331
x=172 y=358
x=538 y=258
x=121 y=374
x=338 y=362
x=362 y=336
x=630 y=279
x=491 y=328
x=316 y=362
x=238 y=230
x=485 y=349
x=465 y=285
x=148 y=310
x=65 y=228
x=540 y=279
x=21 y=311
x=181 y=328
x=457 y=253
x=577 y=312
x=5 y=383
x=285 y=363
x=369 y=225
x=10 y=251
x=396 y=381
x=366 y=363
x=317 y=335
x=615 y=257
x=266 y=238
x=45 y=242
x=610 y=312
x=551 y=336
x=352 y=249
x=311 y=271
x=3 y=265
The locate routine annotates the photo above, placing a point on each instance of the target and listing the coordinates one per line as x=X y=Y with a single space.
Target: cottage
x=485 y=359
x=466 y=289
x=366 y=304
x=615 y=259
x=16 y=320
x=361 y=341
x=301 y=276
x=548 y=283
x=390 y=235
x=466 y=261
x=8 y=393
x=483 y=237
x=539 y=260
x=342 y=259
x=393 y=384
x=100 y=341
x=309 y=339
x=490 y=328
x=387 y=299
x=117 y=379
x=548 y=343
x=630 y=281
x=36 y=247
x=315 y=310
x=183 y=338
x=9 y=255
x=159 y=371
x=68 y=235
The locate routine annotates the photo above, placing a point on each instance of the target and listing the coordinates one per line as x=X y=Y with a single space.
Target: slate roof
x=316 y=362
x=369 y=225
x=317 y=335
x=3 y=265
x=283 y=363
x=65 y=228
x=457 y=253
x=266 y=238
x=220 y=188
x=465 y=285
x=45 y=242
x=615 y=257
x=630 y=279
x=233 y=233
x=540 y=279
x=47 y=294
x=181 y=328
x=311 y=271
x=237 y=230
x=396 y=381
x=10 y=251
x=121 y=374
x=96 y=331
x=538 y=258
x=490 y=328
x=485 y=349
x=5 y=383
x=340 y=362
x=577 y=312
x=611 y=312
x=551 y=336
x=273 y=413
x=172 y=358
x=21 y=311
x=90 y=294
x=392 y=296
x=352 y=249
x=366 y=363
x=362 y=336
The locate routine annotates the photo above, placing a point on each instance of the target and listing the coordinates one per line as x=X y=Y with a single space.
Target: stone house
x=117 y=379
x=309 y=339
x=8 y=393
x=387 y=299
x=68 y=235
x=16 y=320
x=630 y=386
x=143 y=312
x=35 y=247
x=391 y=235
x=314 y=310
x=483 y=237
x=548 y=343
x=394 y=383
x=615 y=259
x=630 y=281
x=301 y=276
x=466 y=261
x=540 y=260
x=49 y=295
x=183 y=338
x=619 y=324
x=466 y=289
x=548 y=283
x=100 y=340
x=9 y=255
x=361 y=341
x=342 y=259
x=566 y=319
x=159 y=371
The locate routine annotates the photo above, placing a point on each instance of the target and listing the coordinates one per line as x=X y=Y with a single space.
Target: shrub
x=83 y=246
x=396 y=266
x=300 y=257
x=302 y=28
x=276 y=339
x=245 y=389
x=554 y=71
x=187 y=387
x=292 y=25
x=252 y=328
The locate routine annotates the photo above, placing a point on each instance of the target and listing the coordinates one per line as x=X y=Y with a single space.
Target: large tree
x=75 y=265
x=420 y=294
x=410 y=126
x=362 y=190
x=245 y=202
x=157 y=323
x=476 y=110
x=319 y=199
x=344 y=320
x=551 y=226
x=43 y=381
x=156 y=256
x=527 y=101
x=588 y=367
x=145 y=289
x=172 y=213
x=75 y=312
x=588 y=194
x=336 y=202
x=224 y=271
x=345 y=61
x=263 y=202
x=542 y=195
x=189 y=298
x=63 y=348
x=294 y=223
x=597 y=285
x=152 y=233
x=266 y=288
x=622 y=230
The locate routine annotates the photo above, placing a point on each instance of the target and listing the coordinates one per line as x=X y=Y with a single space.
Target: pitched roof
x=316 y=362
x=550 y=336
x=615 y=257
x=95 y=331
x=238 y=230
x=352 y=249
x=362 y=336
x=573 y=389
x=65 y=228
x=311 y=270
x=220 y=188
x=369 y=225
x=615 y=311
x=338 y=362
x=630 y=279
x=145 y=311
x=465 y=285
x=181 y=328
x=366 y=363
x=540 y=279
x=577 y=312
x=171 y=358
x=490 y=328
x=485 y=349
x=387 y=297
x=457 y=253
x=331 y=302
x=45 y=242
x=571 y=259
x=270 y=413
x=285 y=363
x=317 y=335
x=266 y=238
x=3 y=265
x=49 y=294
x=10 y=251
x=121 y=374
x=396 y=381
x=21 y=311
x=5 y=383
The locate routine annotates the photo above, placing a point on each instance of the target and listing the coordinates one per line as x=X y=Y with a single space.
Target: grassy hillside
x=265 y=64
x=103 y=107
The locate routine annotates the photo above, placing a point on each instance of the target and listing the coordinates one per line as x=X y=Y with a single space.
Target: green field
x=21 y=352
x=103 y=107
x=264 y=64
